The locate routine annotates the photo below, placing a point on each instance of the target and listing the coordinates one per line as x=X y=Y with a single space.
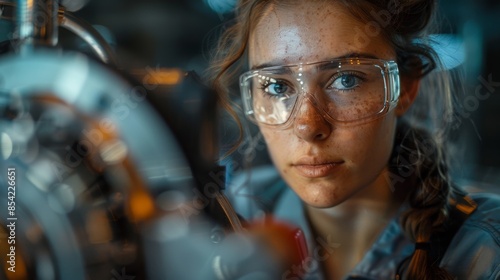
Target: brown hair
x=404 y=23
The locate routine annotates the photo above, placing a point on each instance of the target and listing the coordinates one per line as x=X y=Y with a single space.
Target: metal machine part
x=104 y=185
x=37 y=23
x=63 y=18
x=113 y=179
x=89 y=151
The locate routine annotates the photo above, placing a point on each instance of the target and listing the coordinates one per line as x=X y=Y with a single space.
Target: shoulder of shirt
x=487 y=215
x=474 y=252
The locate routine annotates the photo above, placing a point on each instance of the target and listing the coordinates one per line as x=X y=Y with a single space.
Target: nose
x=309 y=124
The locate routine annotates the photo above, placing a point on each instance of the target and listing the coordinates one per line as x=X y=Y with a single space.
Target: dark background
x=179 y=33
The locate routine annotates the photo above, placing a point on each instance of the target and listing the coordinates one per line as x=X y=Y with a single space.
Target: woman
x=330 y=85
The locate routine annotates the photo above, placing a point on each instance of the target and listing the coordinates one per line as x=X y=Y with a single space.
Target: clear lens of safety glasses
x=344 y=90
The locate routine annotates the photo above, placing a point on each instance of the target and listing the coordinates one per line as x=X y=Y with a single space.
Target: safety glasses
x=343 y=90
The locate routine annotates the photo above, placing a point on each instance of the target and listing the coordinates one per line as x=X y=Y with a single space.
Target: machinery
x=101 y=177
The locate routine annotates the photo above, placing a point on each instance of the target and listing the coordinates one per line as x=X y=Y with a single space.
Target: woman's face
x=324 y=163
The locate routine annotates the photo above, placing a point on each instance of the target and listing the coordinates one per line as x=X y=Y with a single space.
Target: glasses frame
x=389 y=70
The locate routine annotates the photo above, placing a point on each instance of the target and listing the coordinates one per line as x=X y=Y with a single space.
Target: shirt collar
x=380 y=262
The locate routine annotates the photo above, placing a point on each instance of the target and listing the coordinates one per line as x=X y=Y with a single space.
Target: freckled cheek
x=366 y=141
x=366 y=106
x=378 y=143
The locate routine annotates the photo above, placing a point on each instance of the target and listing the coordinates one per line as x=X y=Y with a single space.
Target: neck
x=356 y=222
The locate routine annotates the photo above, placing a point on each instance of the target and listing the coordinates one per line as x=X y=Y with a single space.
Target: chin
x=323 y=203
x=321 y=197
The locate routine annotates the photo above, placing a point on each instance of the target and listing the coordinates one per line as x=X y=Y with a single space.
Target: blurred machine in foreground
x=103 y=177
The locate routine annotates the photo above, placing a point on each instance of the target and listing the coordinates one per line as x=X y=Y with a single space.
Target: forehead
x=310 y=31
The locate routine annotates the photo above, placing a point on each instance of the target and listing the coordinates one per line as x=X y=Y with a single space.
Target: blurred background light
x=6 y=145
x=221 y=6
x=450 y=49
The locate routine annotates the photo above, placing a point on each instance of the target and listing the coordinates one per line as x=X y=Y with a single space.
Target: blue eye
x=276 y=88
x=346 y=82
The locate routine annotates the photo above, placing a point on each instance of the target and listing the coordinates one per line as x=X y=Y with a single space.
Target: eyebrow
x=349 y=55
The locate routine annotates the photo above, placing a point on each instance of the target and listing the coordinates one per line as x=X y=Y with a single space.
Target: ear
x=409 y=91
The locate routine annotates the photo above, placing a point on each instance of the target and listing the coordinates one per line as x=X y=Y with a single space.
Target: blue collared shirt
x=474 y=252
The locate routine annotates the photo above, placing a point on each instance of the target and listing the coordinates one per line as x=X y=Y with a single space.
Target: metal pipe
x=88 y=33
x=70 y=22
x=37 y=23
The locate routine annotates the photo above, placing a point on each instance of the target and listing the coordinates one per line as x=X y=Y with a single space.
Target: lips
x=316 y=168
